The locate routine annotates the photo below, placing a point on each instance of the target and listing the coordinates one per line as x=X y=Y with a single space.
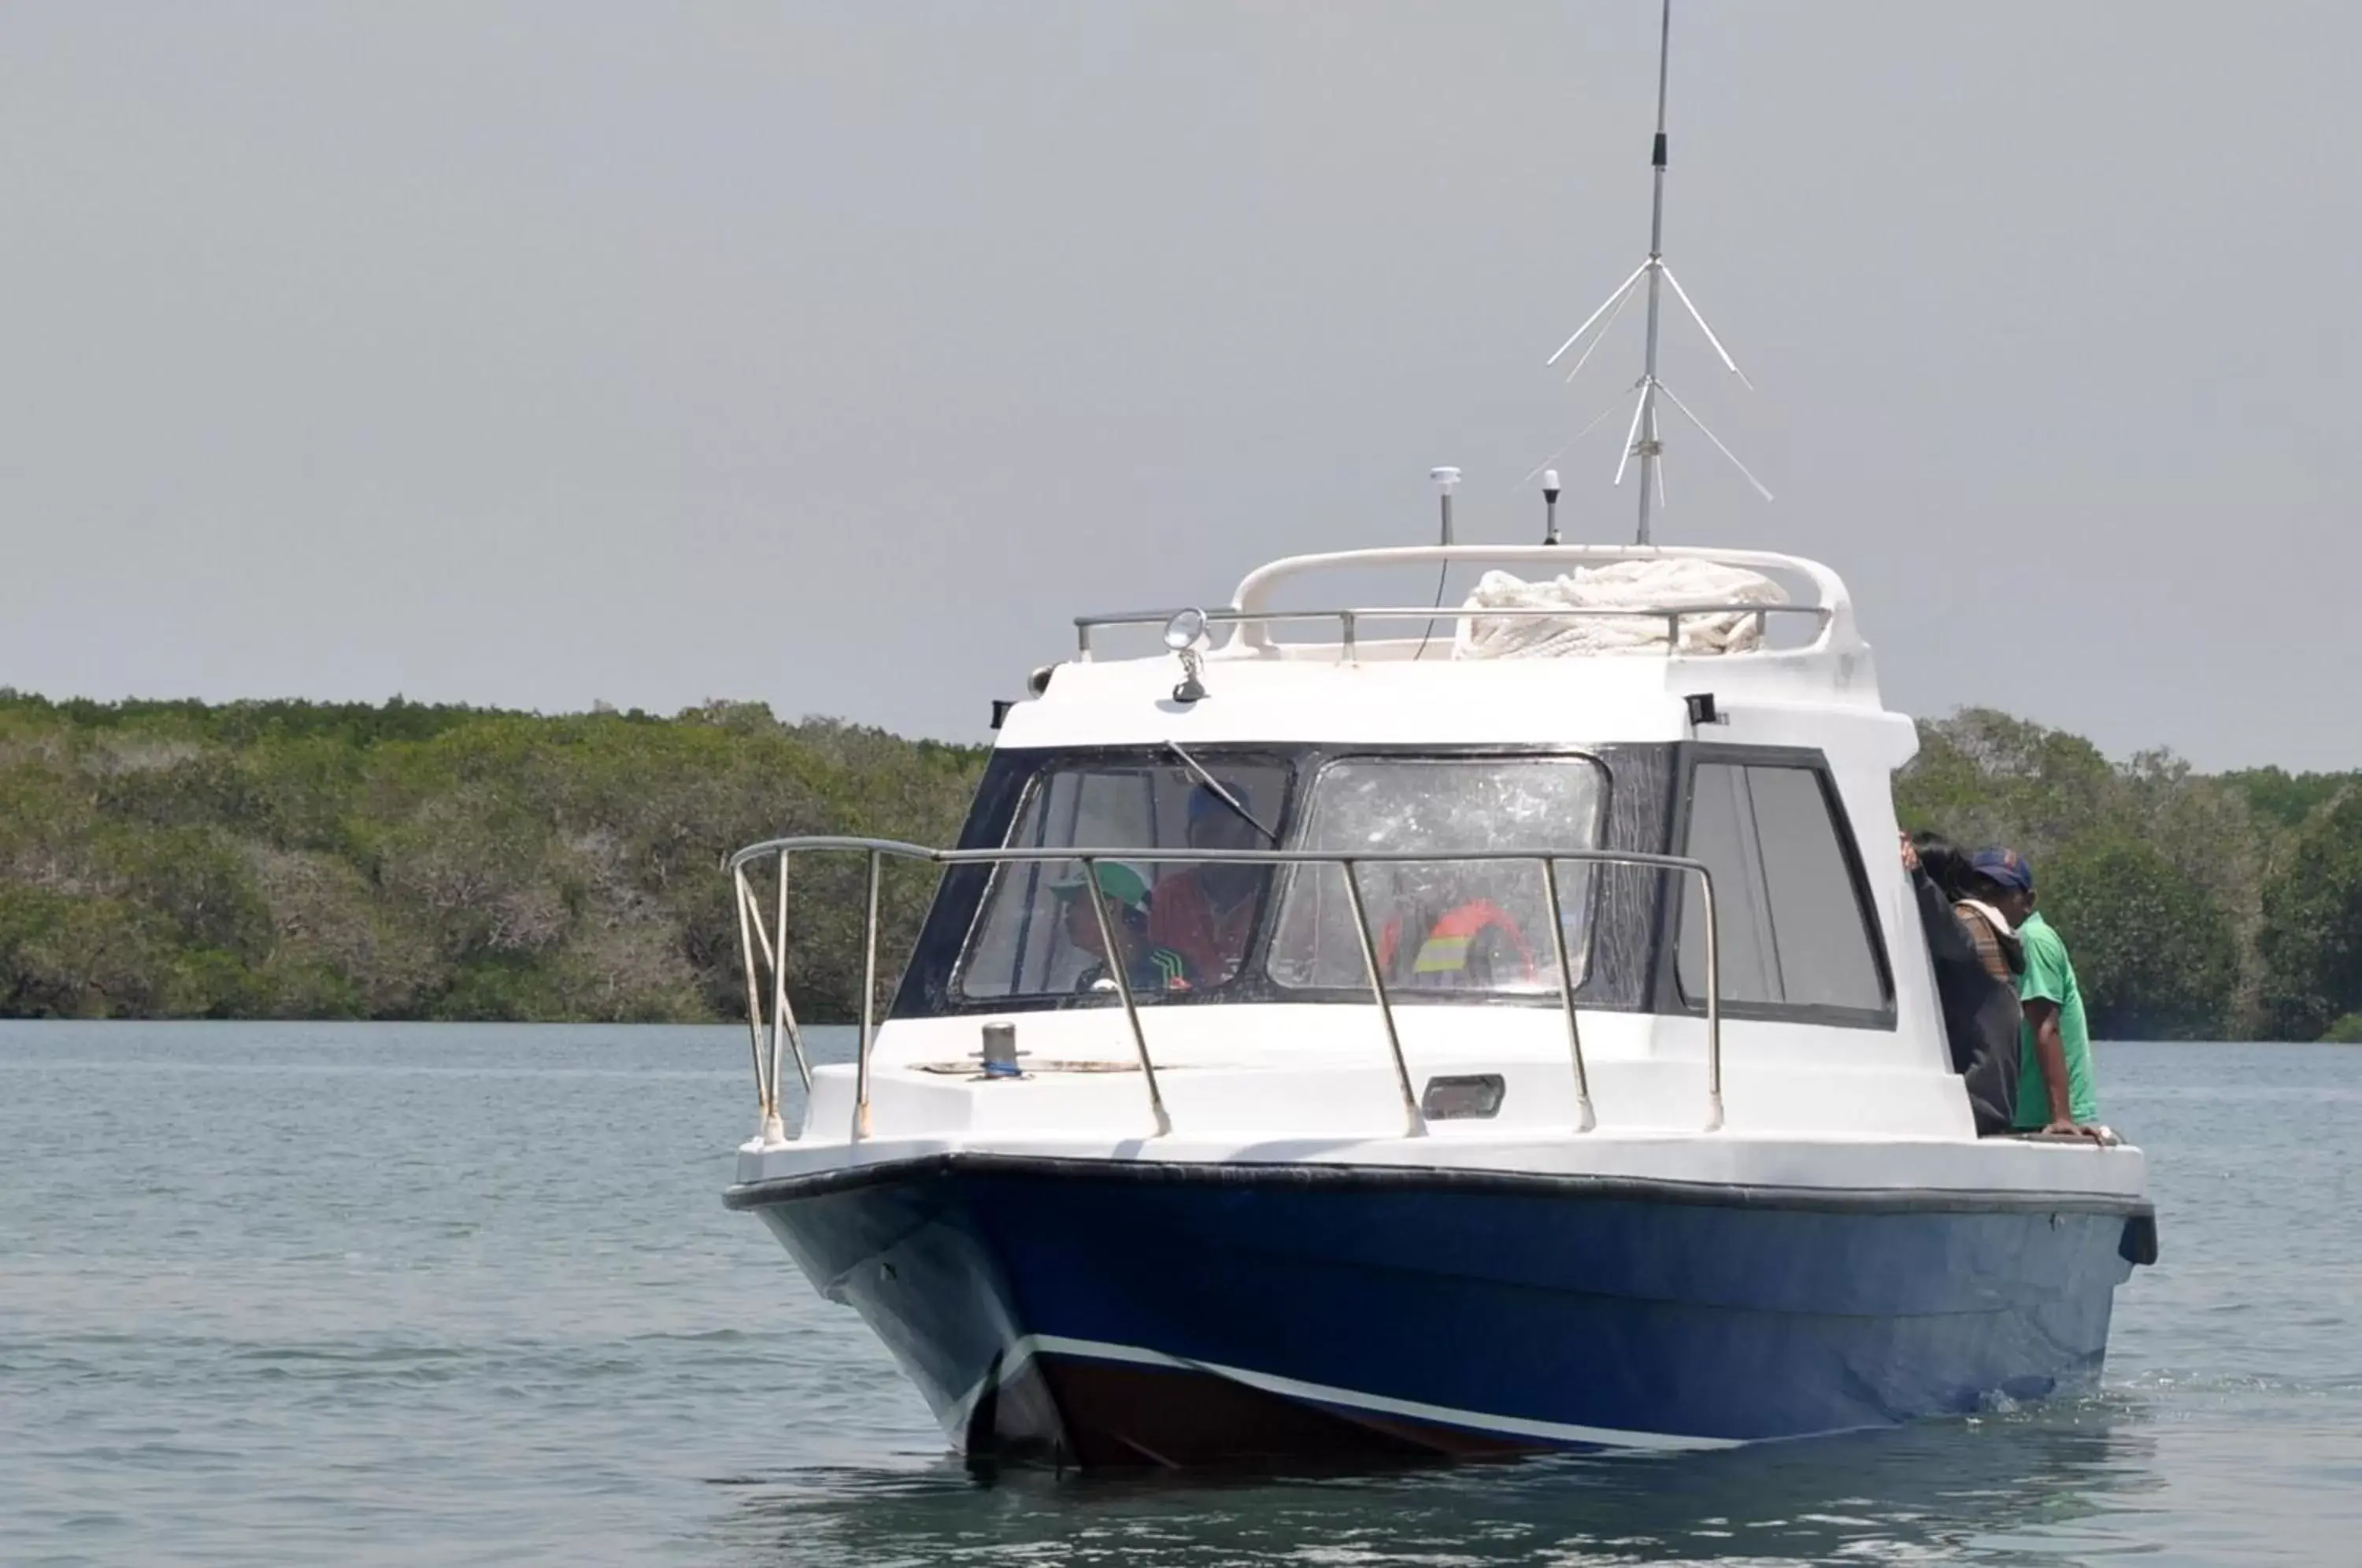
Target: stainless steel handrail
x=759 y=945
x=1414 y=1119
x=1559 y=957
x=1122 y=977
x=1348 y=620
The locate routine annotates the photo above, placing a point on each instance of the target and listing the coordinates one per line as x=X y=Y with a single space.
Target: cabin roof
x=1275 y=672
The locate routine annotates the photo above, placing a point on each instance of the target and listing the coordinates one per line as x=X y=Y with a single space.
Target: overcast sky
x=837 y=355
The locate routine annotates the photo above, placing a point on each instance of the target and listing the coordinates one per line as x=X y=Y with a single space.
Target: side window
x=1824 y=939
x=1722 y=833
x=1794 y=930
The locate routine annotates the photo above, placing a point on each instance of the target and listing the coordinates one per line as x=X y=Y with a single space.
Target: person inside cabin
x=1205 y=912
x=1123 y=894
x=1469 y=942
x=1979 y=1004
x=2055 y=1045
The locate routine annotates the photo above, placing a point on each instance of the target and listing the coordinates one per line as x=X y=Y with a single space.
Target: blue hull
x=1091 y=1313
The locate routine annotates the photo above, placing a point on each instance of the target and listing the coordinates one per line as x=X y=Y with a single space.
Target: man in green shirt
x=2054 y=1080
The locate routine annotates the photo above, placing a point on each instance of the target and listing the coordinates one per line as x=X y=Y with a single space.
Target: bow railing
x=775 y=1036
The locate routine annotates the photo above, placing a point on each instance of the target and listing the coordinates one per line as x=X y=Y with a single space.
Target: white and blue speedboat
x=1662 y=1144
x=1334 y=1038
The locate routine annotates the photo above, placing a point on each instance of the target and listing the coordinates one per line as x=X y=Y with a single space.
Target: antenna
x=1446 y=480
x=1643 y=440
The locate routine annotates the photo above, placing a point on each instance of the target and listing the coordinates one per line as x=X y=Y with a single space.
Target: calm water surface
x=448 y=1294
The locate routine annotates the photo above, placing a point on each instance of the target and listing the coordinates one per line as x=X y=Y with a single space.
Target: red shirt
x=1183 y=917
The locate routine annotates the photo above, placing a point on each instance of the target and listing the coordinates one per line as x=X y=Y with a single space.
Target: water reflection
x=2028 y=1487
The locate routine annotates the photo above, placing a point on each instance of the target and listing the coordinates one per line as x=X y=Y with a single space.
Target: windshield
x=1175 y=926
x=1442 y=926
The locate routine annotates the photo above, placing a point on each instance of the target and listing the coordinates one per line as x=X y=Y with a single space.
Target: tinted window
x=1722 y=833
x=1180 y=926
x=1794 y=929
x=1442 y=926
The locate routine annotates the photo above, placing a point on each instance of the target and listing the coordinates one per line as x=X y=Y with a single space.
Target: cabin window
x=1179 y=926
x=1442 y=926
x=1795 y=930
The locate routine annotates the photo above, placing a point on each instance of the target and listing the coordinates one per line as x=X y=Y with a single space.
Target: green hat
x=1117 y=880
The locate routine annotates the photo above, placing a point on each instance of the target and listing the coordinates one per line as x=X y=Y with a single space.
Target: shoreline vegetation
x=317 y=860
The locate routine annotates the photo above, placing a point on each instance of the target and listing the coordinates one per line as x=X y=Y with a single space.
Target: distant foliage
x=2312 y=936
x=2194 y=907
x=344 y=860
x=2157 y=956
x=407 y=860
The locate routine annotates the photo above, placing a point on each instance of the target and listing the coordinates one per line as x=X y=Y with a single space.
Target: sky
x=836 y=355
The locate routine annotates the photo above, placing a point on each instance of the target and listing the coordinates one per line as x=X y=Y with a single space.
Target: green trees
x=2311 y=937
x=2158 y=956
x=292 y=859
x=2195 y=907
x=315 y=860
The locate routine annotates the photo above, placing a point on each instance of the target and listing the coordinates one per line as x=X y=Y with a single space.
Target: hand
x=2069 y=1128
x=1910 y=853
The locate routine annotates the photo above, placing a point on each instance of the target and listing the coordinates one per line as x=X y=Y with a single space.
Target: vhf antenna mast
x=1643 y=440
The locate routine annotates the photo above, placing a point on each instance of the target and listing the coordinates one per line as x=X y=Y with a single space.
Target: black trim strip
x=1650 y=1189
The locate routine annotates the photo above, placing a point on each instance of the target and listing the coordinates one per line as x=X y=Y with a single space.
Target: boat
x=1330 y=1040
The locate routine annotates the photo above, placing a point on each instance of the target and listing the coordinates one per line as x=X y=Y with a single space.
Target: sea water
x=382 y=1293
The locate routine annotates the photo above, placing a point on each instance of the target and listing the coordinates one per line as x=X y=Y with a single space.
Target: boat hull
x=1094 y=1313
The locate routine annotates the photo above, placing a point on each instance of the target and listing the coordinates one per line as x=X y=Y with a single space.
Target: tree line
x=2196 y=906
x=414 y=861
x=289 y=859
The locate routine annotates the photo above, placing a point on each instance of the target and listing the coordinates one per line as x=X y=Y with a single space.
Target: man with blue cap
x=1206 y=911
x=2054 y=1082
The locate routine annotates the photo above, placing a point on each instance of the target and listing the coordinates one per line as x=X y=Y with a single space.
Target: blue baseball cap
x=1204 y=802
x=2006 y=867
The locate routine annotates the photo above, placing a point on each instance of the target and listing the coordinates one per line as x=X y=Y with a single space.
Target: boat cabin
x=1624 y=802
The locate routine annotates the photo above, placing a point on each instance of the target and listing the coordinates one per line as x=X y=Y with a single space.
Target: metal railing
x=764 y=948
x=1349 y=622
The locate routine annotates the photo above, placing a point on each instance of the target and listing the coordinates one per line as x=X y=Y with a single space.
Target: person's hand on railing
x=2102 y=1136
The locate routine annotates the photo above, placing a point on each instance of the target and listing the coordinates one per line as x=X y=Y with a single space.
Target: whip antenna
x=1643 y=439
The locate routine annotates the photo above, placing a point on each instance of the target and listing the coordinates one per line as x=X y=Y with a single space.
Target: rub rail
x=764 y=950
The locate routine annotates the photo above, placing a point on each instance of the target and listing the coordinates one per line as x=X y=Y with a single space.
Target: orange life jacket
x=1445 y=950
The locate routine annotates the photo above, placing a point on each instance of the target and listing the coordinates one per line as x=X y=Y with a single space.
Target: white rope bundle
x=1642 y=584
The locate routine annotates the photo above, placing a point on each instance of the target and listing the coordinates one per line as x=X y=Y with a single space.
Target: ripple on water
x=492 y=1311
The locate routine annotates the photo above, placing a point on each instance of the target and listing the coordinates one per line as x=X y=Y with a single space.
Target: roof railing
x=1252 y=615
x=764 y=950
x=1258 y=622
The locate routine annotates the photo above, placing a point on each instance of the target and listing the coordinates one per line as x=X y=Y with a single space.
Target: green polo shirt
x=2050 y=977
